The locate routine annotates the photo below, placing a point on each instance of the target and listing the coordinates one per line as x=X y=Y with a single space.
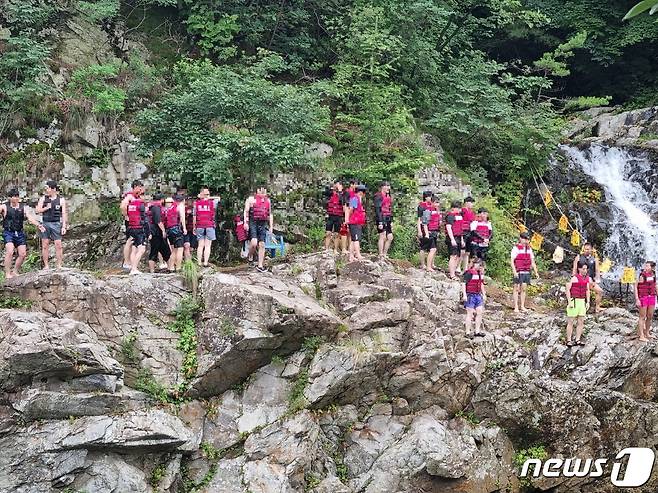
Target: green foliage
x=190 y=273
x=214 y=33
x=219 y=124
x=157 y=475
x=96 y=83
x=128 y=350
x=210 y=452
x=99 y=158
x=521 y=456
x=312 y=344
x=99 y=10
x=185 y=325
x=296 y=399
x=147 y=384
x=23 y=15
x=468 y=416
x=586 y=102
x=554 y=62
x=641 y=7
x=14 y=302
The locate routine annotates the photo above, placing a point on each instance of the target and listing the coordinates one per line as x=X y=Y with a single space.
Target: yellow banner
x=536 y=241
x=605 y=266
x=521 y=227
x=563 y=224
x=575 y=238
x=548 y=198
x=628 y=276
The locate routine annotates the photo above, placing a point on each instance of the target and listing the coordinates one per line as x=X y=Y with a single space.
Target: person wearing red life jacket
x=205 y=210
x=14 y=214
x=523 y=262
x=474 y=295
x=241 y=235
x=481 y=235
x=335 y=208
x=424 y=243
x=138 y=229
x=384 y=214
x=137 y=189
x=356 y=220
x=587 y=255
x=190 y=242
x=454 y=239
x=259 y=221
x=432 y=220
x=645 y=299
x=159 y=245
x=174 y=222
x=578 y=296
x=468 y=216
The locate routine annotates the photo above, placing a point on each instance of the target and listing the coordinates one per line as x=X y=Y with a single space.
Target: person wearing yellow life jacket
x=14 y=214
x=468 y=216
x=259 y=221
x=474 y=295
x=578 y=297
x=481 y=235
x=523 y=262
x=205 y=209
x=335 y=207
x=592 y=262
x=645 y=299
x=175 y=225
x=454 y=237
x=384 y=214
x=355 y=217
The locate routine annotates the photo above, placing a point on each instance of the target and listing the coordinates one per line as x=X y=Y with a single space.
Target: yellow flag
x=563 y=224
x=536 y=241
x=628 y=276
x=521 y=227
x=605 y=266
x=575 y=238
x=548 y=198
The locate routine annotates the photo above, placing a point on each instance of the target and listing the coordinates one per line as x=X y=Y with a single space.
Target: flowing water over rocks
x=320 y=377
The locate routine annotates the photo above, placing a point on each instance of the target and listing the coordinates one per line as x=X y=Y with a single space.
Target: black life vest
x=14 y=218
x=54 y=214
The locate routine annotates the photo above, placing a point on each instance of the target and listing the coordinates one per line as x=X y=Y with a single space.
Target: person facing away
x=592 y=262
x=523 y=262
x=259 y=221
x=384 y=215
x=14 y=214
x=645 y=299
x=54 y=213
x=159 y=245
x=578 y=298
x=474 y=295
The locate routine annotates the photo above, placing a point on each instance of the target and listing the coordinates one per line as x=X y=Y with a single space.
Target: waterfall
x=628 y=182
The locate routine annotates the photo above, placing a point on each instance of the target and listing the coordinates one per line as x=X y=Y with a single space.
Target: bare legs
x=519 y=296
x=579 y=328
x=9 y=257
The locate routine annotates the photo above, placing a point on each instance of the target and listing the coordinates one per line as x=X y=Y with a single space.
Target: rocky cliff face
x=320 y=377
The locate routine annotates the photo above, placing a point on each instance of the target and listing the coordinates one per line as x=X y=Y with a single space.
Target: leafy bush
x=96 y=84
x=586 y=102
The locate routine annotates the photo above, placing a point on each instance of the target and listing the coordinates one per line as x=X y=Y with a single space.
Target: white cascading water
x=627 y=181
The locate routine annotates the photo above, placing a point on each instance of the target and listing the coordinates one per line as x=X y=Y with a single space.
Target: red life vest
x=240 y=232
x=358 y=215
x=434 y=223
x=387 y=204
x=136 y=214
x=149 y=212
x=474 y=285
x=468 y=216
x=646 y=285
x=579 y=288
x=483 y=229
x=334 y=207
x=189 y=218
x=261 y=208
x=457 y=225
x=523 y=260
x=170 y=216
x=205 y=213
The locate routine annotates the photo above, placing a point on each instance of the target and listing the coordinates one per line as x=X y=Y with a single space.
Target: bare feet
x=643 y=339
x=524 y=309
x=516 y=309
x=133 y=272
x=9 y=275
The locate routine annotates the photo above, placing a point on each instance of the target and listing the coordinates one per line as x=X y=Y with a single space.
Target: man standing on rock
x=474 y=296
x=205 y=209
x=55 y=219
x=384 y=214
x=481 y=234
x=468 y=216
x=454 y=238
x=174 y=222
x=14 y=214
x=159 y=245
x=259 y=221
x=578 y=297
x=592 y=262
x=335 y=217
x=138 y=229
x=645 y=297
x=135 y=191
x=522 y=261
x=355 y=217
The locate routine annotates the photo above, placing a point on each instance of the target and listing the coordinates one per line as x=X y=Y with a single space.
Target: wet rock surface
x=363 y=384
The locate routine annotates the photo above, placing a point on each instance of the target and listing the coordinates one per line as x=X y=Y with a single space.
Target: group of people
x=178 y=225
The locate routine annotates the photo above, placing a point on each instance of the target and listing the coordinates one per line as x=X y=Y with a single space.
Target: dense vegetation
x=226 y=93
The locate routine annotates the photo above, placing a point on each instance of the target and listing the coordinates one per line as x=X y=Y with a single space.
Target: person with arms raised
x=54 y=213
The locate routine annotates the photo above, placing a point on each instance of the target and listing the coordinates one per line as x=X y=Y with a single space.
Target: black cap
x=52 y=184
x=13 y=193
x=361 y=188
x=178 y=198
x=482 y=209
x=524 y=235
x=137 y=183
x=469 y=199
x=427 y=193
